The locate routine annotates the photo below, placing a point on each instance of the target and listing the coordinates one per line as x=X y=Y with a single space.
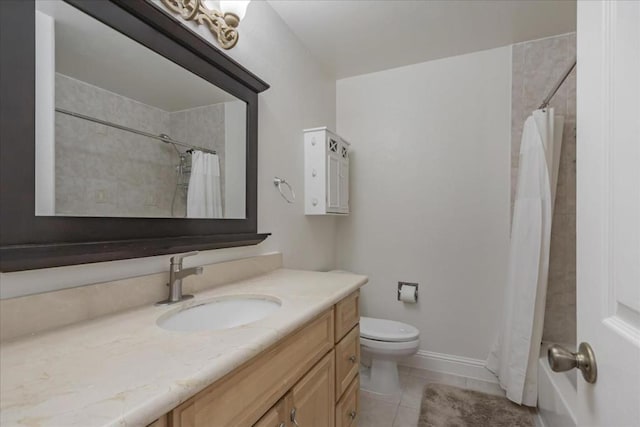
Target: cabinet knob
x=314 y=173
x=353 y=415
x=313 y=140
x=353 y=358
x=314 y=201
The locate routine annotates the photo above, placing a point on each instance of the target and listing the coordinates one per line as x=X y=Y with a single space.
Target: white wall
x=45 y=115
x=235 y=152
x=430 y=194
x=301 y=96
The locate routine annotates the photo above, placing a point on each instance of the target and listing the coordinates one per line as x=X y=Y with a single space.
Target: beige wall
x=537 y=66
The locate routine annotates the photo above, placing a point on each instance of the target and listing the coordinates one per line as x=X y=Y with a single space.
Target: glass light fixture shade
x=236 y=7
x=211 y=4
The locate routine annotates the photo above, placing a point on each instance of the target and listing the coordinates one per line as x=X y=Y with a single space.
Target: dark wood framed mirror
x=29 y=240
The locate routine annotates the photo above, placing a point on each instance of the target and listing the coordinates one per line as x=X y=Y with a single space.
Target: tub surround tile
x=135 y=175
x=123 y=369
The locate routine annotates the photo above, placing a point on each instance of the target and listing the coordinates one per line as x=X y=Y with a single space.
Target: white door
x=608 y=209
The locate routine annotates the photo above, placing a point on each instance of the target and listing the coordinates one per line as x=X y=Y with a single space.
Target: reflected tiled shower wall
x=537 y=66
x=103 y=171
x=202 y=127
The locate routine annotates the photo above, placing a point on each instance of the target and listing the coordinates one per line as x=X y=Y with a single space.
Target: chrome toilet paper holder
x=415 y=286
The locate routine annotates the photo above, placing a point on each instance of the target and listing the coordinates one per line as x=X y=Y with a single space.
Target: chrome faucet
x=176 y=274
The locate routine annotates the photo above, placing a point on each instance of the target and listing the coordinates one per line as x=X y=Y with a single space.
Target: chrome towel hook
x=278 y=182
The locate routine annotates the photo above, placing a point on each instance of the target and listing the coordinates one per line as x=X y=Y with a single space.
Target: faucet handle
x=177 y=259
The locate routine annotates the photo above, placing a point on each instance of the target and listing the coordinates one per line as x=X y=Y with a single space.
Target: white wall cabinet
x=326 y=179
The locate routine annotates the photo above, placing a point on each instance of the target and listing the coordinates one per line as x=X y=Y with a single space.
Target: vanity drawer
x=242 y=397
x=348 y=408
x=347 y=314
x=347 y=360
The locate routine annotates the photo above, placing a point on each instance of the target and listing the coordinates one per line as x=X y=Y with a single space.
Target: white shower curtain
x=514 y=356
x=204 y=199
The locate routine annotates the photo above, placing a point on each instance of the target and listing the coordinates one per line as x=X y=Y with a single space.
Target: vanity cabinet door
x=276 y=417
x=184 y=415
x=312 y=399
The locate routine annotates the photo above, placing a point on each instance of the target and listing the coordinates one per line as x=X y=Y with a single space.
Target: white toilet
x=384 y=342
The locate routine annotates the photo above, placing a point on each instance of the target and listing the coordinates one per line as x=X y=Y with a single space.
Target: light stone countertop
x=123 y=369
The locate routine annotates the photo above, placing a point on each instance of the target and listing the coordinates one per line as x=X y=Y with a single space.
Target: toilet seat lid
x=387 y=330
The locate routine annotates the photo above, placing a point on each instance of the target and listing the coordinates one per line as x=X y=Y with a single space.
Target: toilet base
x=381 y=378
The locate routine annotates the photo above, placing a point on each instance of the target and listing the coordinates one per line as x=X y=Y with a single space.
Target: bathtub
x=557 y=396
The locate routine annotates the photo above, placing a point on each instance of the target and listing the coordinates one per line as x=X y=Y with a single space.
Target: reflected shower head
x=167 y=140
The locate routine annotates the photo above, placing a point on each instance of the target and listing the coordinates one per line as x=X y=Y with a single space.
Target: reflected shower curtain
x=514 y=356
x=204 y=198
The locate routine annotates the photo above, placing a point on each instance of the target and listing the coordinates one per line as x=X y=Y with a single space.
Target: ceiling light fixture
x=222 y=23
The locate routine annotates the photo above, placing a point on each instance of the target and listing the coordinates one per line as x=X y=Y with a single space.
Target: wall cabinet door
x=312 y=400
x=333 y=182
x=344 y=179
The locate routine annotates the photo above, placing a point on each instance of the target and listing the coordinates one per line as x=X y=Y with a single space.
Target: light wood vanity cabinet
x=160 y=422
x=348 y=407
x=347 y=360
x=276 y=416
x=347 y=314
x=302 y=377
x=312 y=399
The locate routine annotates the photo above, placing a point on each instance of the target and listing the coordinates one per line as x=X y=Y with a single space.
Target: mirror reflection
x=124 y=132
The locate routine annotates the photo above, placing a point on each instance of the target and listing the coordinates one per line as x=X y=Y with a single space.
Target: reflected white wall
x=235 y=131
x=45 y=114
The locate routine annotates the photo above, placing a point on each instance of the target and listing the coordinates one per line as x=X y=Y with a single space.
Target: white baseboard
x=450 y=364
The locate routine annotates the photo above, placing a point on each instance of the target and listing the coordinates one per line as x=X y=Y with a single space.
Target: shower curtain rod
x=546 y=101
x=164 y=138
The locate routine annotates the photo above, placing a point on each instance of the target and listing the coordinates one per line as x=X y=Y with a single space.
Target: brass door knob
x=560 y=360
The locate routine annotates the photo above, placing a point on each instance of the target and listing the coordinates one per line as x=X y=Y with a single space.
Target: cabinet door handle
x=293 y=418
x=353 y=358
x=353 y=415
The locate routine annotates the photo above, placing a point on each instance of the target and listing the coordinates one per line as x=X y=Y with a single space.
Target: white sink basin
x=221 y=313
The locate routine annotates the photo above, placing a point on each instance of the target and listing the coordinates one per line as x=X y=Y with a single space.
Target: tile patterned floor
x=403 y=411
